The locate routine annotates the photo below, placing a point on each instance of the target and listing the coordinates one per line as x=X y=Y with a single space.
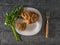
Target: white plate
x=32 y=29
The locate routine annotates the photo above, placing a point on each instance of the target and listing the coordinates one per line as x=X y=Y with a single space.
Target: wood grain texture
x=47 y=31
x=6 y=35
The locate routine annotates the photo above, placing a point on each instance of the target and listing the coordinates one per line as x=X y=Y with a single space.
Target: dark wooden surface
x=53 y=7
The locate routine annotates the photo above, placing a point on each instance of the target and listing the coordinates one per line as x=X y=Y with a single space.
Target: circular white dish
x=34 y=28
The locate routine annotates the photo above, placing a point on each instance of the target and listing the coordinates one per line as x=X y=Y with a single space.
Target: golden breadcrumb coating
x=21 y=26
x=30 y=17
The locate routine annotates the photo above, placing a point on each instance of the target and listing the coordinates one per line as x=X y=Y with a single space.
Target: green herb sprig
x=11 y=18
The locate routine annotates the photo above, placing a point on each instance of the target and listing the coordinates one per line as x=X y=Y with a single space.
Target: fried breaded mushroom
x=26 y=15
x=34 y=17
x=21 y=26
x=29 y=16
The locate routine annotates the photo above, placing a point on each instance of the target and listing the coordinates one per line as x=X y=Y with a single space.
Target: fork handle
x=47 y=29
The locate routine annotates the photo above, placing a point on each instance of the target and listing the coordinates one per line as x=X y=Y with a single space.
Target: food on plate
x=34 y=17
x=30 y=17
x=26 y=15
x=21 y=26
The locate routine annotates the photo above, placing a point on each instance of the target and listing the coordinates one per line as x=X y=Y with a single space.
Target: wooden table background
x=53 y=7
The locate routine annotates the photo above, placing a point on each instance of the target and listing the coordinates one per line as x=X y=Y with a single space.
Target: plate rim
x=39 y=28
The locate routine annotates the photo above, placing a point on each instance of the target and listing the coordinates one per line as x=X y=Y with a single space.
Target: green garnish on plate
x=11 y=18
